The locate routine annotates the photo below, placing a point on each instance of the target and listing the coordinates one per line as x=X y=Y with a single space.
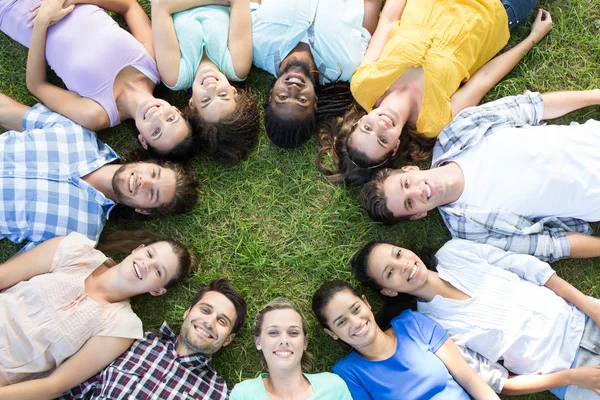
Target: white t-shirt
x=536 y=171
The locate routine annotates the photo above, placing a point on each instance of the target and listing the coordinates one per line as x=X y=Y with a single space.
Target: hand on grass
x=48 y=12
x=541 y=26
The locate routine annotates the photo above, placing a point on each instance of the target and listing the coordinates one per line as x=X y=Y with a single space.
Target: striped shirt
x=152 y=369
x=42 y=194
x=543 y=237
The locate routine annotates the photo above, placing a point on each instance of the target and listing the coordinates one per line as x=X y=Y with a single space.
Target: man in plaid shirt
x=56 y=177
x=501 y=177
x=169 y=367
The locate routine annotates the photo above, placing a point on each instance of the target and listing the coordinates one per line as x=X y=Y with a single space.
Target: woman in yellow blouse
x=410 y=79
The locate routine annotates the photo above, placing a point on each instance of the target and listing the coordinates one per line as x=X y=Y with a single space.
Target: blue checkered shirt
x=43 y=195
x=543 y=237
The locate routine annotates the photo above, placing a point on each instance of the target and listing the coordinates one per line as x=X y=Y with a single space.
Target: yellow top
x=450 y=40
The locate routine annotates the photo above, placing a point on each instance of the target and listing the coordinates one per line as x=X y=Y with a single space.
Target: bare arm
x=583 y=246
x=240 y=37
x=372 y=10
x=557 y=104
x=471 y=93
x=84 y=111
x=391 y=13
x=96 y=353
x=585 y=377
x=11 y=113
x=26 y=265
x=136 y=18
x=462 y=373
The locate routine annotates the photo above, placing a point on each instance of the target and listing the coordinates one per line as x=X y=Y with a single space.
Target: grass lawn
x=275 y=227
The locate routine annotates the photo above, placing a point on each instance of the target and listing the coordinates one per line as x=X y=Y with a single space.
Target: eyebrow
x=277 y=326
x=157 y=196
x=349 y=308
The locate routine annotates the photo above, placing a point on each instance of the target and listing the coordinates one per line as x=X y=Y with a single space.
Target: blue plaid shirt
x=543 y=237
x=42 y=193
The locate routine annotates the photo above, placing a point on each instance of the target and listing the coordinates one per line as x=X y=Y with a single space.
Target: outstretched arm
x=11 y=113
x=557 y=104
x=471 y=93
x=372 y=10
x=571 y=294
x=96 y=353
x=240 y=37
x=391 y=13
x=585 y=377
x=26 y=265
x=449 y=354
x=84 y=111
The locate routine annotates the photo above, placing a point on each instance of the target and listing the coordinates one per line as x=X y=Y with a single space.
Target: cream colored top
x=47 y=319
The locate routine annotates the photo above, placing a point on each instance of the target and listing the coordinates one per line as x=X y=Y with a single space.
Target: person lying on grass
x=499 y=175
x=66 y=312
x=411 y=360
x=496 y=305
x=168 y=366
x=427 y=61
x=280 y=334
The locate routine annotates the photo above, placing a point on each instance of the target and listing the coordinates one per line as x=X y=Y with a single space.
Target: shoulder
x=76 y=248
x=326 y=382
x=246 y=389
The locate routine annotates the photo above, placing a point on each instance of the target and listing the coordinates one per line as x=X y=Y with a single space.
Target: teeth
x=362 y=330
x=388 y=119
x=131 y=183
x=428 y=191
x=209 y=79
x=295 y=80
x=202 y=331
x=148 y=111
x=413 y=272
x=283 y=353
x=137 y=271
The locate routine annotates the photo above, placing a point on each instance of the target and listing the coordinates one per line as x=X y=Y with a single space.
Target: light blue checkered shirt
x=43 y=195
x=543 y=237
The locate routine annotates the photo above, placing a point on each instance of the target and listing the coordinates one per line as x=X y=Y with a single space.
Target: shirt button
x=10 y=172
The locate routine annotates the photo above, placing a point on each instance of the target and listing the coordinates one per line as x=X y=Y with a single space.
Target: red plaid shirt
x=152 y=369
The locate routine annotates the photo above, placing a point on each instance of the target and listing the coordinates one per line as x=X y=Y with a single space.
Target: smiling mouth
x=388 y=118
x=295 y=79
x=413 y=272
x=283 y=353
x=428 y=191
x=137 y=271
x=203 y=332
x=362 y=330
x=131 y=183
x=209 y=79
x=148 y=111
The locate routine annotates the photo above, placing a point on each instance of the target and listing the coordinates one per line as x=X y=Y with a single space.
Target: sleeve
x=341 y=388
x=40 y=117
x=433 y=333
x=77 y=249
x=524 y=109
x=357 y=390
x=235 y=393
x=524 y=265
x=494 y=374
x=83 y=390
x=123 y=323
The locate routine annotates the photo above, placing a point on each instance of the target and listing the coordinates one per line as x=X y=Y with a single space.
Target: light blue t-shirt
x=199 y=29
x=334 y=30
x=326 y=386
x=413 y=372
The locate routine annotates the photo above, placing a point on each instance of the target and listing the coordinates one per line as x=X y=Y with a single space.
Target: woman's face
x=351 y=320
x=212 y=95
x=160 y=124
x=396 y=269
x=282 y=339
x=377 y=134
x=148 y=269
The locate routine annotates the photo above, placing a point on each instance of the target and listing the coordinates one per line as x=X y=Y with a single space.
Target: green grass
x=275 y=227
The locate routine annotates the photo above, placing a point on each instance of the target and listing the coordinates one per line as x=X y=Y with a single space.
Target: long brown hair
x=124 y=242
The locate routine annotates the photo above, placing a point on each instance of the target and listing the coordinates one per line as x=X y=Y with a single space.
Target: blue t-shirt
x=413 y=372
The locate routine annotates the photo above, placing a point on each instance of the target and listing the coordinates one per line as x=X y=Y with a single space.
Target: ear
x=330 y=333
x=158 y=292
x=229 y=339
x=388 y=292
x=257 y=343
x=191 y=102
x=139 y=247
x=270 y=92
x=396 y=148
x=418 y=216
x=235 y=91
x=185 y=313
x=408 y=168
x=143 y=141
x=364 y=298
x=141 y=211
x=305 y=342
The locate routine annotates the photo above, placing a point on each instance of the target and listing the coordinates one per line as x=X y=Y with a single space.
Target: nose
x=293 y=90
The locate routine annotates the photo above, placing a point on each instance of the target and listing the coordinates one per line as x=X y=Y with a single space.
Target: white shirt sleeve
x=494 y=374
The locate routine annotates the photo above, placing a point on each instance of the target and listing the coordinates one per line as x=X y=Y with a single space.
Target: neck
x=103 y=286
x=287 y=384
x=101 y=180
x=183 y=350
x=406 y=97
x=435 y=286
x=452 y=174
x=381 y=348
x=130 y=95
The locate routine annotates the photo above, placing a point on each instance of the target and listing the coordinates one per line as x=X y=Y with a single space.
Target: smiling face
x=293 y=94
x=212 y=95
x=282 y=339
x=351 y=320
x=144 y=185
x=377 y=134
x=160 y=124
x=148 y=269
x=413 y=192
x=397 y=270
x=207 y=325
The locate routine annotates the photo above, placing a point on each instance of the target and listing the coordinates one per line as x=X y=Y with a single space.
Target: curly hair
x=374 y=200
x=288 y=133
x=352 y=165
x=230 y=140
